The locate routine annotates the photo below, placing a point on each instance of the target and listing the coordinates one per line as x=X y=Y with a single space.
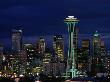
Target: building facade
x=58 y=46
x=16 y=40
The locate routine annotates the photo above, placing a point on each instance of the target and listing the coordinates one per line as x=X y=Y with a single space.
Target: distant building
x=58 y=46
x=83 y=57
x=1 y=49
x=96 y=42
x=1 y=53
x=23 y=61
x=31 y=55
x=37 y=66
x=103 y=50
x=99 y=56
x=107 y=64
x=16 y=40
x=47 y=64
x=41 y=46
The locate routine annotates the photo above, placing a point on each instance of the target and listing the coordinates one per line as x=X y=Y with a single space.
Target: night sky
x=45 y=18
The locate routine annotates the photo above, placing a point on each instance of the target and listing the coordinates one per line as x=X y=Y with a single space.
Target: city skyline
x=62 y=40
x=39 y=18
x=50 y=38
x=81 y=62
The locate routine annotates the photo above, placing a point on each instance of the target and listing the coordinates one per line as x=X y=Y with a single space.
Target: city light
x=87 y=58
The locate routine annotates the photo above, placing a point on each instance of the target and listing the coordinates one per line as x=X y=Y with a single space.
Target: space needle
x=71 y=70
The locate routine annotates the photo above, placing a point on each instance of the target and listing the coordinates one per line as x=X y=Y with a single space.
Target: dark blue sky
x=45 y=17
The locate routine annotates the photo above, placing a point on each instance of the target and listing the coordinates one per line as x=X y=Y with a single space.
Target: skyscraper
x=86 y=43
x=41 y=46
x=31 y=55
x=16 y=40
x=58 y=46
x=47 y=64
x=1 y=51
x=83 y=56
x=16 y=48
x=71 y=61
x=96 y=43
x=103 y=49
x=99 y=55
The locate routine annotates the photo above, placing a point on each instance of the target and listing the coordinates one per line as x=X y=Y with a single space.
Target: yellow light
x=37 y=81
x=14 y=73
x=21 y=75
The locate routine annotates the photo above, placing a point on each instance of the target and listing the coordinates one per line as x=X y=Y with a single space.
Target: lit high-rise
x=41 y=46
x=58 y=46
x=99 y=55
x=83 y=55
x=96 y=43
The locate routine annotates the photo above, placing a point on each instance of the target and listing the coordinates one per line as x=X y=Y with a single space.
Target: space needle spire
x=71 y=70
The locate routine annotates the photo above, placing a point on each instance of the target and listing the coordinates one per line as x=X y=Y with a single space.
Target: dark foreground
x=50 y=79
x=27 y=79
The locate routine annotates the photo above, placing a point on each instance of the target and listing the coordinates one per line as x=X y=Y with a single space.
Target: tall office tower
x=23 y=61
x=16 y=48
x=71 y=61
x=41 y=46
x=83 y=57
x=107 y=65
x=2 y=56
x=37 y=66
x=31 y=55
x=14 y=64
x=1 y=49
x=99 y=55
x=47 y=64
x=103 y=49
x=1 y=52
x=96 y=44
x=85 y=50
x=103 y=58
x=16 y=40
x=58 y=46
x=86 y=44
